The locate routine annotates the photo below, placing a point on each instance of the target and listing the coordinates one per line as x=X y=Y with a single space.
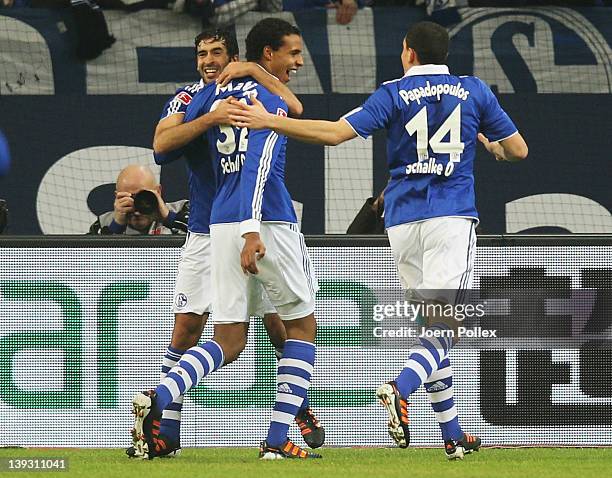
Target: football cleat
x=146 y=426
x=164 y=448
x=469 y=443
x=397 y=407
x=454 y=450
x=310 y=428
x=286 y=450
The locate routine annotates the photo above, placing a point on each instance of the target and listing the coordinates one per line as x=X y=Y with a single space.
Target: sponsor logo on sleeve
x=184 y=97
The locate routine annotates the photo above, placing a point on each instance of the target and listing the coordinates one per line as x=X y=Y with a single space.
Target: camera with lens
x=145 y=202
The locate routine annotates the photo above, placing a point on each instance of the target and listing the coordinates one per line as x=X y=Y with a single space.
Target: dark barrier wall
x=72 y=125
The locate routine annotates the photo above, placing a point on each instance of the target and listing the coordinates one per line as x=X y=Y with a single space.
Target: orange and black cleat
x=453 y=450
x=310 y=428
x=470 y=443
x=457 y=449
x=146 y=426
x=163 y=446
x=286 y=450
x=397 y=408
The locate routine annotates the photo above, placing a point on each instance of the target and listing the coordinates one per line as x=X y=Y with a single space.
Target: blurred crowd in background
x=94 y=36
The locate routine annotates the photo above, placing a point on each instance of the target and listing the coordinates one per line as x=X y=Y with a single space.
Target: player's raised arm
x=239 y=69
x=255 y=116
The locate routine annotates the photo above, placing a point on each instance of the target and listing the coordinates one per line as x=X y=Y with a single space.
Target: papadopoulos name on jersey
x=432 y=119
x=415 y=94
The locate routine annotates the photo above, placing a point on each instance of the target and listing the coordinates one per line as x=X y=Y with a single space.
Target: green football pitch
x=337 y=462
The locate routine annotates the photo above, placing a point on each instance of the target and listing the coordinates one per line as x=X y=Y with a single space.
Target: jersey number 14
x=453 y=147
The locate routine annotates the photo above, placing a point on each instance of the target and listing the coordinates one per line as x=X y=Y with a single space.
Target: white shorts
x=192 y=291
x=285 y=272
x=193 y=287
x=435 y=256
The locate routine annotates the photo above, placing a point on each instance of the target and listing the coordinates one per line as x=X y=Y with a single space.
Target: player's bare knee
x=232 y=339
x=187 y=330
x=302 y=329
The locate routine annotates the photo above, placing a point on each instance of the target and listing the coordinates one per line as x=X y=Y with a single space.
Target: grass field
x=337 y=462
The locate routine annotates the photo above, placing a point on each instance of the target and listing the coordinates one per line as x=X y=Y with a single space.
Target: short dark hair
x=430 y=42
x=223 y=35
x=267 y=32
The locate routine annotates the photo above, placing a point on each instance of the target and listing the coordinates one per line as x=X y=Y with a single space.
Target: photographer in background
x=139 y=208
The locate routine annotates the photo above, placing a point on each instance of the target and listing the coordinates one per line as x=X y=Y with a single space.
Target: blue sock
x=293 y=381
x=439 y=387
x=424 y=359
x=170 y=426
x=278 y=352
x=194 y=365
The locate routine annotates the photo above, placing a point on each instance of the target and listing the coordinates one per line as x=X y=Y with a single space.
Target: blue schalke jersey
x=199 y=166
x=249 y=165
x=433 y=119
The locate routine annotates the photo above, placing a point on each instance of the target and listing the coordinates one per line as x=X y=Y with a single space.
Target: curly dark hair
x=267 y=32
x=223 y=35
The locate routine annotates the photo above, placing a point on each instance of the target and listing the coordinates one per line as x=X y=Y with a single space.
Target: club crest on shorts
x=180 y=300
x=281 y=112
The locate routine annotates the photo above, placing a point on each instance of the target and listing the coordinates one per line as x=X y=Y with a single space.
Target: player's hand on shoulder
x=236 y=69
x=124 y=204
x=253 y=250
x=253 y=116
x=492 y=147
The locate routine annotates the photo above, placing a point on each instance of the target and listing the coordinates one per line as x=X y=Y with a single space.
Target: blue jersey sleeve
x=263 y=150
x=196 y=106
x=177 y=104
x=495 y=123
x=375 y=113
x=165 y=158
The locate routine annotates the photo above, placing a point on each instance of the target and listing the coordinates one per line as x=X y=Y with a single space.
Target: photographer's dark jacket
x=368 y=220
x=176 y=222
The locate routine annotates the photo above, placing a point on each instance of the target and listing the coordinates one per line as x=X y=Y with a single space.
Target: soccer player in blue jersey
x=433 y=120
x=216 y=53
x=291 y=290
